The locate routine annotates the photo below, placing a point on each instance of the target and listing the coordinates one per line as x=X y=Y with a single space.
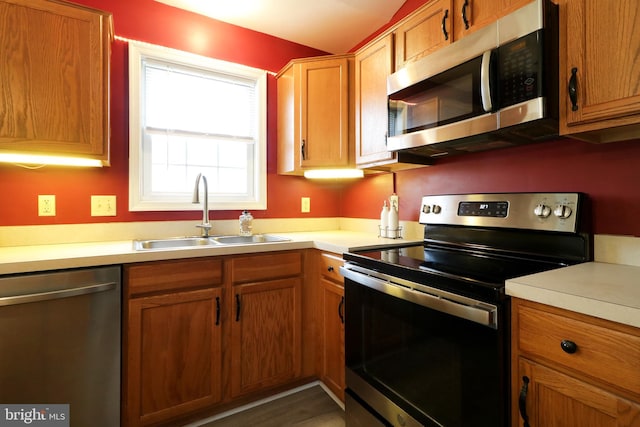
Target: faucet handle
x=205 y=229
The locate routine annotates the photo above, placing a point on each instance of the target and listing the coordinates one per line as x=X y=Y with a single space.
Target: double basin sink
x=190 y=242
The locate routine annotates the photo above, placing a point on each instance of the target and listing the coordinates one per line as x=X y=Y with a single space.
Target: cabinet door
x=508 y=6
x=174 y=355
x=597 y=61
x=332 y=337
x=471 y=15
x=373 y=65
x=54 y=79
x=554 y=399
x=424 y=32
x=324 y=100
x=265 y=335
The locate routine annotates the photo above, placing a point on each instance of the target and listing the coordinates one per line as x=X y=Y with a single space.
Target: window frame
x=139 y=51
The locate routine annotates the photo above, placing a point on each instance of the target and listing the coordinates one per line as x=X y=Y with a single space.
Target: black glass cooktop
x=460 y=270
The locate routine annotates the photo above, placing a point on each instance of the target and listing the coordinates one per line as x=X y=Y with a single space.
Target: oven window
x=451 y=96
x=433 y=365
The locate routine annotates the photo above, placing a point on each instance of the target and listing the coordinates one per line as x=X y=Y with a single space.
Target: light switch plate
x=103 y=205
x=305 y=205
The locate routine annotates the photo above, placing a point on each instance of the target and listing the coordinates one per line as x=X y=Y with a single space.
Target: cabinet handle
x=522 y=401
x=444 y=24
x=330 y=268
x=573 y=89
x=341 y=310
x=464 y=14
x=302 y=147
x=569 y=346
x=237 y=307
x=217 y=311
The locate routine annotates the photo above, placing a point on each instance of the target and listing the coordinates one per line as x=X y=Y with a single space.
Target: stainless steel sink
x=244 y=240
x=173 y=243
x=191 y=242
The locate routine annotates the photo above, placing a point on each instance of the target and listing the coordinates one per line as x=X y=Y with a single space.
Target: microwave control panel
x=520 y=66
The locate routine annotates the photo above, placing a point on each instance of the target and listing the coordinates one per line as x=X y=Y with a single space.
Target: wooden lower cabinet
x=265 y=335
x=174 y=355
x=206 y=334
x=331 y=324
x=556 y=399
x=172 y=361
x=570 y=369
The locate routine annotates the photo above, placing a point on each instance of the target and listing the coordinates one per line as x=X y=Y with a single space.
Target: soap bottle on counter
x=246 y=223
x=393 y=222
x=384 y=219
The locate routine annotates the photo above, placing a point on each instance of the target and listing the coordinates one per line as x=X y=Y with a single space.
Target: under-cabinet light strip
x=36 y=159
x=333 y=173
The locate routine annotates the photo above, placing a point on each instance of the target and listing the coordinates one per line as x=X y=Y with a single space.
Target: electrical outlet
x=103 y=205
x=305 y=205
x=46 y=205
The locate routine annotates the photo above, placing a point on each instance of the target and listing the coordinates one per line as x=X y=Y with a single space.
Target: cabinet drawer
x=330 y=266
x=172 y=275
x=608 y=355
x=265 y=267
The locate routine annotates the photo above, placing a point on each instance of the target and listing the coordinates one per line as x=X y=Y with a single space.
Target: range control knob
x=436 y=209
x=562 y=211
x=542 y=211
x=426 y=209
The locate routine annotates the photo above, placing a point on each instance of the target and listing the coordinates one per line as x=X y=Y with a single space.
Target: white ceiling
x=334 y=26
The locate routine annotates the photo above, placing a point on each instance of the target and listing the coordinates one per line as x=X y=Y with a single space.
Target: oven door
x=419 y=356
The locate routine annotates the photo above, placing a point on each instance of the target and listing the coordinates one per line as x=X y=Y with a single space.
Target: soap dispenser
x=246 y=223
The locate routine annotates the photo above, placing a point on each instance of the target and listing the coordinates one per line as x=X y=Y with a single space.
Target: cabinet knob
x=330 y=268
x=569 y=346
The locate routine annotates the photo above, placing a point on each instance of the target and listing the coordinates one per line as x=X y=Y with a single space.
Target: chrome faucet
x=206 y=225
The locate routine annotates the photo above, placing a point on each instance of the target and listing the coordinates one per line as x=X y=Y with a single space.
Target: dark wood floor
x=311 y=407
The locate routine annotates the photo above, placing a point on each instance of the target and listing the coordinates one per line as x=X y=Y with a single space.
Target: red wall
x=608 y=173
x=150 y=21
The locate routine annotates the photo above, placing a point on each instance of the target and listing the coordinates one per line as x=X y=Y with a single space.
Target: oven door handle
x=436 y=299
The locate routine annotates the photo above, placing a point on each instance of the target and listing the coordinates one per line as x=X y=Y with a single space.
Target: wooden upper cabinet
x=424 y=32
x=471 y=15
x=598 y=63
x=54 y=79
x=315 y=106
x=373 y=65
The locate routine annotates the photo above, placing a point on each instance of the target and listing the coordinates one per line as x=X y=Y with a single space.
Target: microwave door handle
x=485 y=81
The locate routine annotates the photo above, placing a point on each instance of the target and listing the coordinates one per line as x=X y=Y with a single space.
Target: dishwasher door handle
x=62 y=293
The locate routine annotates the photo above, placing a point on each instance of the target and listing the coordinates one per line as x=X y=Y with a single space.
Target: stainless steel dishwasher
x=60 y=342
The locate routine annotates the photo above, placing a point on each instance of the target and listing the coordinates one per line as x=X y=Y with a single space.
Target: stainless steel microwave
x=496 y=87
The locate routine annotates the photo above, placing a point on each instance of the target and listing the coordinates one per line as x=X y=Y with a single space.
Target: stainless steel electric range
x=427 y=326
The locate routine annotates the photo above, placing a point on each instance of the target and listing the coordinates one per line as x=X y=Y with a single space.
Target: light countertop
x=607 y=291
x=24 y=259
